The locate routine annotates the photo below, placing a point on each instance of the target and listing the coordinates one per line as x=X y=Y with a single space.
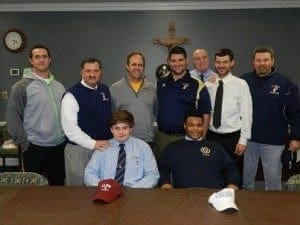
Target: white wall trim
x=147 y=6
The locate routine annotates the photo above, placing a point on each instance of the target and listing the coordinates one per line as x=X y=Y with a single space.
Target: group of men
x=212 y=126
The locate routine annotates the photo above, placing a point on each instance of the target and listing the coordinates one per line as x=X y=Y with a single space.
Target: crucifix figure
x=171 y=41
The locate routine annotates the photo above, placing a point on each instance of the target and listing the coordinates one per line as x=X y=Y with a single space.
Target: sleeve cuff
x=243 y=141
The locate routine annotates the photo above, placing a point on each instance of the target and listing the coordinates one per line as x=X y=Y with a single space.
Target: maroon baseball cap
x=108 y=190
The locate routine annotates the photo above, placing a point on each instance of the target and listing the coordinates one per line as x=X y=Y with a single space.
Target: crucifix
x=171 y=41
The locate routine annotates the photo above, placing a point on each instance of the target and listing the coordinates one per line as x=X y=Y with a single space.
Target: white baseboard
x=10 y=161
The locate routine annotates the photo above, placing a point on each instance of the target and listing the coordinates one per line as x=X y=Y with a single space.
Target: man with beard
x=276 y=106
x=137 y=95
x=85 y=114
x=201 y=64
x=177 y=94
x=232 y=109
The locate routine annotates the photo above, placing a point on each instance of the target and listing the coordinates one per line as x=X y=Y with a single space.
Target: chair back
x=293 y=183
x=22 y=179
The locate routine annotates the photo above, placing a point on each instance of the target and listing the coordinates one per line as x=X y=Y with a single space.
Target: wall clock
x=14 y=40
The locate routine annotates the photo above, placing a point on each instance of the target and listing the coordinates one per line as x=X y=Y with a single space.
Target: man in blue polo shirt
x=177 y=94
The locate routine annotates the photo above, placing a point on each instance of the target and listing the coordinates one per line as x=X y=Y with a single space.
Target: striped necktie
x=120 y=171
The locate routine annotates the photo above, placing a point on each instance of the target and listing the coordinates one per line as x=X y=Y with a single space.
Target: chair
x=10 y=150
x=22 y=179
x=293 y=183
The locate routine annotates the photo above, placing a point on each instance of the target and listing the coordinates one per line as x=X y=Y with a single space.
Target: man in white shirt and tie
x=231 y=122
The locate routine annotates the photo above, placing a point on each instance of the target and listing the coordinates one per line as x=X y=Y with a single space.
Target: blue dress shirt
x=208 y=73
x=141 y=168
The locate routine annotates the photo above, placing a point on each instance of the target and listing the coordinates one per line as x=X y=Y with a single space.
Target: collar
x=191 y=139
x=225 y=79
x=185 y=76
x=127 y=142
x=273 y=71
x=205 y=72
x=87 y=86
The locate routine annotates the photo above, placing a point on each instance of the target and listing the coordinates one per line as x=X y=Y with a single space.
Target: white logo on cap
x=105 y=187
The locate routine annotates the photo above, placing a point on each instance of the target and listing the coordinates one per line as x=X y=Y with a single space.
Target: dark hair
x=135 y=53
x=39 y=46
x=177 y=50
x=225 y=51
x=90 y=60
x=263 y=50
x=193 y=113
x=121 y=116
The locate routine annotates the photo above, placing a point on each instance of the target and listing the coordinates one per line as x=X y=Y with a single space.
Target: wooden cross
x=171 y=41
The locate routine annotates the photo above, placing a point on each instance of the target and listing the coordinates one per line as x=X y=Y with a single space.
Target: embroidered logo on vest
x=205 y=151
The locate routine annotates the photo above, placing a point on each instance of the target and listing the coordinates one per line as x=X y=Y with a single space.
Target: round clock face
x=14 y=40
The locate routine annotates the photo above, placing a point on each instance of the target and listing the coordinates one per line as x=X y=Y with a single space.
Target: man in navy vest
x=85 y=114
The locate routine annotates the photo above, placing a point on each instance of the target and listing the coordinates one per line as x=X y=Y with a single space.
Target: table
x=74 y=205
x=7 y=193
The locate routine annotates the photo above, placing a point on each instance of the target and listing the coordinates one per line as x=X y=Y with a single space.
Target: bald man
x=201 y=64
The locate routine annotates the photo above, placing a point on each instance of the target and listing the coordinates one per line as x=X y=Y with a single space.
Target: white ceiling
x=133 y=5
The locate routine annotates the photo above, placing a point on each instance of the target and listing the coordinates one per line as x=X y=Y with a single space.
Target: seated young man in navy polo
x=128 y=160
x=193 y=162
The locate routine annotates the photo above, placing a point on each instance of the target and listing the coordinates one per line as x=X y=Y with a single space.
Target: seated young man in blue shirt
x=193 y=162
x=128 y=160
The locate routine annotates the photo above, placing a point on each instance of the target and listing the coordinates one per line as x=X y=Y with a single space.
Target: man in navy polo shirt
x=177 y=94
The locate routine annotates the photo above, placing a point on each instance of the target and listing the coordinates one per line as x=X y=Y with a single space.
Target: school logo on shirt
x=205 y=151
x=163 y=85
x=275 y=89
x=103 y=96
x=185 y=86
x=135 y=161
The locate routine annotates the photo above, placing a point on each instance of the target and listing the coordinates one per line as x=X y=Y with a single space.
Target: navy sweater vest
x=94 y=110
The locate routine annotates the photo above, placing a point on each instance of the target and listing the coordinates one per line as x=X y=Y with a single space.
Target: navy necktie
x=218 y=106
x=120 y=171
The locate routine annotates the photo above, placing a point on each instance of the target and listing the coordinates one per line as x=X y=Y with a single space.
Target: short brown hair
x=39 y=46
x=223 y=52
x=121 y=116
x=135 y=53
x=263 y=50
x=177 y=50
x=90 y=60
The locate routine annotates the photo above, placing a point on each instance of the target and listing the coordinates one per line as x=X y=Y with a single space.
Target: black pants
x=228 y=142
x=47 y=161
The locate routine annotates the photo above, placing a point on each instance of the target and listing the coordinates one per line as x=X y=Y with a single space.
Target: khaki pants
x=162 y=140
x=76 y=159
